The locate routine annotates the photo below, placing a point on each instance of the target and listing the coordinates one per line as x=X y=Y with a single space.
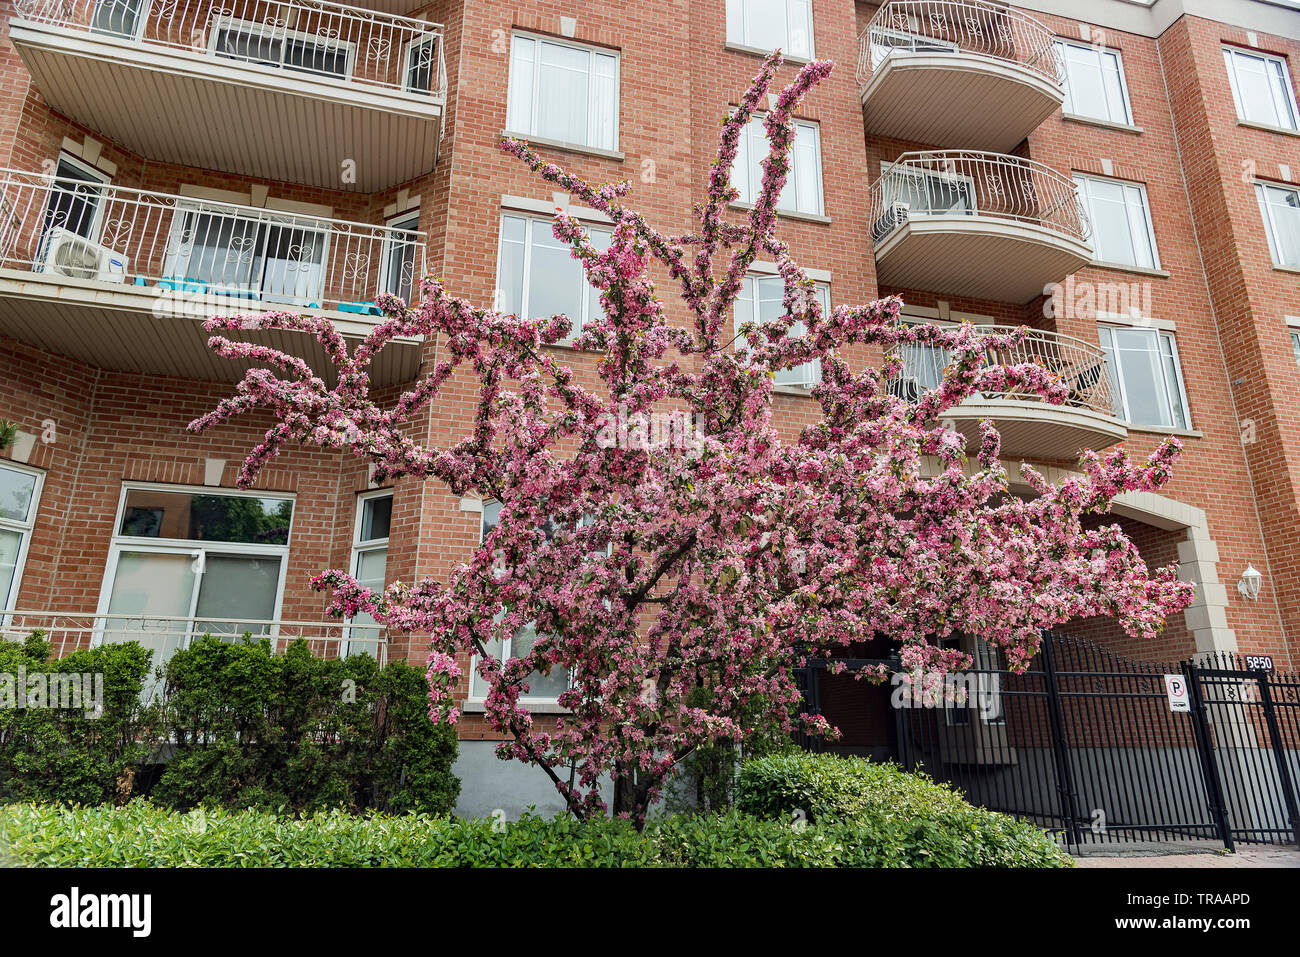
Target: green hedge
x=142 y=835
x=911 y=819
x=235 y=726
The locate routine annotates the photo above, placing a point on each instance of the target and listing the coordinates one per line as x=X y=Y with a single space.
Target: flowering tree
x=646 y=562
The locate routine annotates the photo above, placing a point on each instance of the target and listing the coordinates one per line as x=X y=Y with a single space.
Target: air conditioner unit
x=893 y=217
x=76 y=257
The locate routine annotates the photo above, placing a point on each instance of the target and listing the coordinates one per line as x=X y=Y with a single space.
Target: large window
x=1295 y=345
x=1144 y=371
x=803 y=185
x=1261 y=88
x=274 y=46
x=1280 y=207
x=769 y=24
x=187 y=562
x=544 y=688
x=20 y=491
x=563 y=92
x=401 y=252
x=1094 y=82
x=762 y=298
x=537 y=275
x=1121 y=221
x=370 y=563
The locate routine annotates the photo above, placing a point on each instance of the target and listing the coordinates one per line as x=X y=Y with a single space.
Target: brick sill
x=1285 y=131
x=1290 y=269
x=1123 y=267
x=535 y=707
x=567 y=147
x=788 y=214
x=760 y=52
x=1106 y=124
x=1156 y=430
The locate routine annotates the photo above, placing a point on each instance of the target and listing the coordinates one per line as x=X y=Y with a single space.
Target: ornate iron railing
x=967 y=26
x=198 y=248
x=976 y=184
x=330 y=40
x=1078 y=364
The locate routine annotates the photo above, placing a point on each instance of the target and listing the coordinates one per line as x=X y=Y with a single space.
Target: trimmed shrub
x=61 y=754
x=143 y=835
x=909 y=819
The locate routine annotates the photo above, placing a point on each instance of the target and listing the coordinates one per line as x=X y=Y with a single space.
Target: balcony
x=958 y=73
x=979 y=225
x=294 y=91
x=123 y=278
x=1029 y=426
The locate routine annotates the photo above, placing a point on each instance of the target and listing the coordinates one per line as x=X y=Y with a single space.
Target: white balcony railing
x=1080 y=365
x=78 y=229
x=975 y=184
x=309 y=37
x=966 y=26
x=70 y=631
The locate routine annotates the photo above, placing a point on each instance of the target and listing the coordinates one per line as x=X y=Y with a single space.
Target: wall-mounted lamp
x=1250 y=581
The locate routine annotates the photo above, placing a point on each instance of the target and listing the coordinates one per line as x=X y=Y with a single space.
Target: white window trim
x=408 y=53
x=24 y=528
x=96 y=174
x=1104 y=327
x=739 y=38
x=1146 y=208
x=967 y=183
x=260 y=31
x=1271 y=233
x=816 y=371
x=1129 y=119
x=360 y=548
x=411 y=216
x=533 y=108
x=1231 y=58
x=756 y=122
x=174 y=546
x=579 y=321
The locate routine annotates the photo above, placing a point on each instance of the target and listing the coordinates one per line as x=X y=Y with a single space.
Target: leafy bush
x=236 y=726
x=143 y=835
x=54 y=754
x=298 y=732
x=910 y=819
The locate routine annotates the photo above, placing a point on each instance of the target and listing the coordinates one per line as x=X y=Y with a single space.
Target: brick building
x=1122 y=177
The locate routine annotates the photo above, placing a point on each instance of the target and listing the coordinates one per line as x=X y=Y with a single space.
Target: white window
x=186 y=562
x=546 y=688
x=233 y=39
x=803 y=186
x=1121 y=221
x=762 y=298
x=1145 y=374
x=538 y=276
x=563 y=92
x=1094 y=82
x=227 y=250
x=370 y=564
x=75 y=205
x=119 y=18
x=772 y=24
x=1280 y=207
x=421 y=65
x=923 y=365
x=1261 y=88
x=401 y=257
x=20 y=491
x=1295 y=346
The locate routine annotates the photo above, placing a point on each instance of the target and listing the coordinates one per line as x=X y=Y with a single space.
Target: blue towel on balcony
x=362 y=308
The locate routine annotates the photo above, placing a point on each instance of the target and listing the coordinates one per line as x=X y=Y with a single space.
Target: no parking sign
x=1176 y=688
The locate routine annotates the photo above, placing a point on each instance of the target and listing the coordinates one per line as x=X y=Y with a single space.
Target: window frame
x=258 y=31
x=740 y=35
x=360 y=548
x=533 y=107
x=815 y=364
x=1126 y=102
x=1085 y=197
x=408 y=64
x=1230 y=57
x=120 y=543
x=1106 y=332
x=590 y=296
x=25 y=528
x=1293 y=334
x=754 y=131
x=1271 y=232
x=390 y=245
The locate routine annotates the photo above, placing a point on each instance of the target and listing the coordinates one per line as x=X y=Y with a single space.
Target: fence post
x=1205 y=749
x=1279 y=753
x=1064 y=777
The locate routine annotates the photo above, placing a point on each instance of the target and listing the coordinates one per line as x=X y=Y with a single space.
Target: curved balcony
x=1029 y=426
x=959 y=73
x=979 y=225
x=300 y=91
x=123 y=278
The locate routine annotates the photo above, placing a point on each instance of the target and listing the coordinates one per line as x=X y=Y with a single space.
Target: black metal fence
x=1088 y=743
